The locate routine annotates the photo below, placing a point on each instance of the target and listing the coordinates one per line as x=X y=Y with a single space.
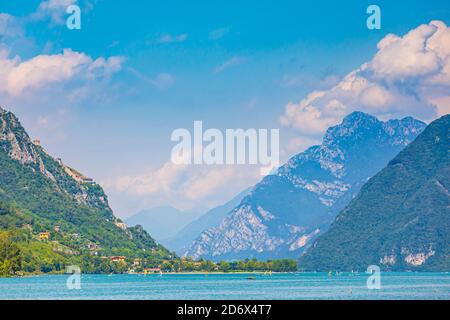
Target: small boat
x=251 y=278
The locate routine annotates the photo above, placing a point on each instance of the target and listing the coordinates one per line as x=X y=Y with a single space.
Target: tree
x=166 y=266
x=10 y=256
x=284 y=265
x=208 y=265
x=224 y=266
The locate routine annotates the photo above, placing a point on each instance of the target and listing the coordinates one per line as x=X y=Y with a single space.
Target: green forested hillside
x=40 y=194
x=51 y=217
x=37 y=201
x=400 y=220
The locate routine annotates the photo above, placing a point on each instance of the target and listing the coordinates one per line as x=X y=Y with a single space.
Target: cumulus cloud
x=185 y=186
x=55 y=10
x=16 y=75
x=409 y=75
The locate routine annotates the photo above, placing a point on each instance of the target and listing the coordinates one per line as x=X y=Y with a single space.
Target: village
x=133 y=265
x=142 y=265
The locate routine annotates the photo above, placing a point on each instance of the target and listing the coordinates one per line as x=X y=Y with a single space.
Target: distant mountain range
x=162 y=222
x=400 y=220
x=286 y=211
x=374 y=192
x=182 y=239
x=41 y=194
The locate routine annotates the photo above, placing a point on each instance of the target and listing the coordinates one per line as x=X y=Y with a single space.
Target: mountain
x=400 y=220
x=162 y=222
x=182 y=239
x=41 y=194
x=286 y=211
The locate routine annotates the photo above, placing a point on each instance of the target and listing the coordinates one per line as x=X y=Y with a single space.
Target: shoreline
x=262 y=273
x=144 y=274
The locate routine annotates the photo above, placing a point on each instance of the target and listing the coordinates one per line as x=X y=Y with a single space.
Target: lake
x=230 y=286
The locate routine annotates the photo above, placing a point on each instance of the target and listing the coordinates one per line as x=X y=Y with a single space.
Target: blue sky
x=230 y=64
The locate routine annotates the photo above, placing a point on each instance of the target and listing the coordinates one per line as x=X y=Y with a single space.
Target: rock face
x=400 y=220
x=286 y=211
x=15 y=142
x=38 y=192
x=211 y=219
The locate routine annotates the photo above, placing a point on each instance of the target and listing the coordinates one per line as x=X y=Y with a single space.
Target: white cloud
x=168 y=38
x=208 y=182
x=409 y=75
x=298 y=144
x=16 y=75
x=229 y=63
x=55 y=10
x=51 y=125
x=186 y=186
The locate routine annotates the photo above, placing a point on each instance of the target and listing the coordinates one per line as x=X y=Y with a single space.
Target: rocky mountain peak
x=358 y=117
x=354 y=122
x=16 y=143
x=407 y=205
x=286 y=211
x=357 y=126
x=403 y=131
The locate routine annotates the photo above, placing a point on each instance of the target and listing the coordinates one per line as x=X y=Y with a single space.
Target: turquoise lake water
x=230 y=286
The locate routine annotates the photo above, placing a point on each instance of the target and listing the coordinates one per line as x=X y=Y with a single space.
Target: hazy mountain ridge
x=180 y=242
x=286 y=211
x=400 y=218
x=162 y=222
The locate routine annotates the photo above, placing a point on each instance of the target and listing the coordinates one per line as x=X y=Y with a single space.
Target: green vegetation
x=87 y=236
x=39 y=194
x=401 y=218
x=10 y=258
x=51 y=216
x=22 y=253
x=247 y=265
x=38 y=201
